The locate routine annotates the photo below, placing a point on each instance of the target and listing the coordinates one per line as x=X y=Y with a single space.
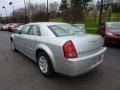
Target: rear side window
x=35 y=30
x=25 y=29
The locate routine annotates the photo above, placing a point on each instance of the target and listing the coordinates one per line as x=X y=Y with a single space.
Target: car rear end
x=75 y=53
x=84 y=62
x=80 y=54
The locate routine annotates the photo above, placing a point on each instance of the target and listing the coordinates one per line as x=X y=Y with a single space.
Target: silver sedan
x=59 y=47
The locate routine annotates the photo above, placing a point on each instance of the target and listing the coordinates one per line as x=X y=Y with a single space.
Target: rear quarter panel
x=54 y=48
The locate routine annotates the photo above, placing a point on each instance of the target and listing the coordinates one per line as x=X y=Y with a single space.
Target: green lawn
x=115 y=17
x=91 y=25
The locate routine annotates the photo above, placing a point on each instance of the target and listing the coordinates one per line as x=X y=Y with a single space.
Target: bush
x=116 y=8
x=39 y=16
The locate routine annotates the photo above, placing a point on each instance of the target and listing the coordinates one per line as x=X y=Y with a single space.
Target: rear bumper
x=83 y=64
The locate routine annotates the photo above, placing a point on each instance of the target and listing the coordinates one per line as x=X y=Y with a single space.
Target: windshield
x=113 y=26
x=64 y=29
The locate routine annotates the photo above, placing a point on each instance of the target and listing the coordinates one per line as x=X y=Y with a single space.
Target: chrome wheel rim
x=12 y=45
x=43 y=65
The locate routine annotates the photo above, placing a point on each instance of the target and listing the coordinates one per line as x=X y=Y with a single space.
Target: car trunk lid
x=85 y=42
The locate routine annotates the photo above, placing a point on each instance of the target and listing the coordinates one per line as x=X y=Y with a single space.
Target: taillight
x=109 y=33
x=69 y=50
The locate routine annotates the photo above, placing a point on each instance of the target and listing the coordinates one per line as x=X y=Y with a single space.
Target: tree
x=53 y=8
x=94 y=14
x=77 y=10
x=82 y=4
x=63 y=5
x=116 y=7
x=38 y=13
x=109 y=12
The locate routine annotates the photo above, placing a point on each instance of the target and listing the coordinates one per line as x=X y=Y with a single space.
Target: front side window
x=35 y=31
x=25 y=29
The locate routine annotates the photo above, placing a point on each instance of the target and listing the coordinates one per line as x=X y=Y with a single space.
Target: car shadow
x=27 y=58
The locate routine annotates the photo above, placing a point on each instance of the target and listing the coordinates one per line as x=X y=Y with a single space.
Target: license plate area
x=96 y=60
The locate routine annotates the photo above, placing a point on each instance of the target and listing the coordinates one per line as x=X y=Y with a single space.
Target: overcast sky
x=18 y=4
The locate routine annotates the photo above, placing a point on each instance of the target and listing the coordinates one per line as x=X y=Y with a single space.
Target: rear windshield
x=114 y=26
x=64 y=29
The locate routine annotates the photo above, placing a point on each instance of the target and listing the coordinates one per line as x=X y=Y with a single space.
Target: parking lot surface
x=17 y=72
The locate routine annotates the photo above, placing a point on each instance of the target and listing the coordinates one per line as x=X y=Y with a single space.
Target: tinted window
x=35 y=31
x=25 y=30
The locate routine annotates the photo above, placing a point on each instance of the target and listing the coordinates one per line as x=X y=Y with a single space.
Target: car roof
x=46 y=23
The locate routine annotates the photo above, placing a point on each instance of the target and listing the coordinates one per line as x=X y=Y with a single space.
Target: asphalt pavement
x=17 y=72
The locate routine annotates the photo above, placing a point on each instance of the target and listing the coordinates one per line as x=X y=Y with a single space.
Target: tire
x=13 y=46
x=45 y=64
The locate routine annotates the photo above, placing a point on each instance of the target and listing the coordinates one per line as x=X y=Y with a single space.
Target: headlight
x=109 y=33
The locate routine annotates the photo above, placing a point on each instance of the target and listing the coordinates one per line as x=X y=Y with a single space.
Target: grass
x=92 y=31
x=115 y=17
x=91 y=25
